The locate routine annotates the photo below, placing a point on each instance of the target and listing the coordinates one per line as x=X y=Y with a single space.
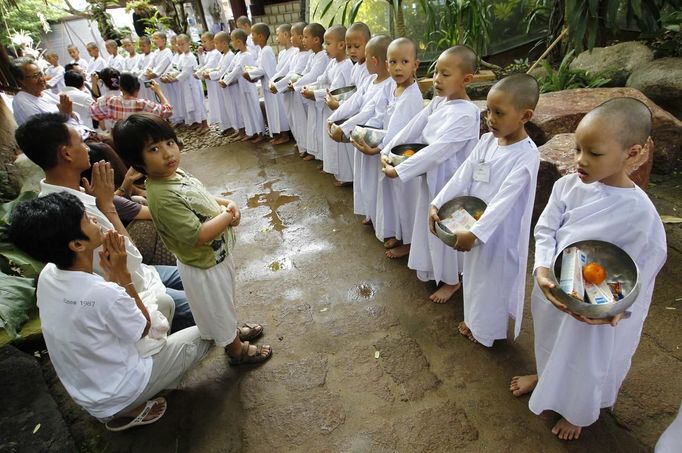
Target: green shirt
x=179 y=206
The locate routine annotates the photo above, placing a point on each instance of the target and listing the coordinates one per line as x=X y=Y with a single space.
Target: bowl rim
x=455 y=198
x=416 y=147
x=343 y=90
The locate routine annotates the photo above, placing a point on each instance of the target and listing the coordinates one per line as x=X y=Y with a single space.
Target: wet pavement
x=363 y=361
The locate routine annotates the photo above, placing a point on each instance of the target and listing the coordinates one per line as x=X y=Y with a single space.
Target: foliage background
x=25 y=17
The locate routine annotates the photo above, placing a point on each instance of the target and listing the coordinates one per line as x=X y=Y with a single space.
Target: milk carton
x=571 y=279
x=598 y=294
x=458 y=220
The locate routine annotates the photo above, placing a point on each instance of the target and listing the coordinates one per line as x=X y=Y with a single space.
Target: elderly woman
x=118 y=107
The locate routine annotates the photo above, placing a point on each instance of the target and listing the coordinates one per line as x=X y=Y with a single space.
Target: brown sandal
x=248 y=355
x=249 y=331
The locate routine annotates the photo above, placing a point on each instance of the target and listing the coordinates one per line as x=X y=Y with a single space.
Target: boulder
x=557 y=158
x=661 y=81
x=561 y=111
x=30 y=419
x=614 y=62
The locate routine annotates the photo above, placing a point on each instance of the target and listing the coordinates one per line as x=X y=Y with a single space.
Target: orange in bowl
x=409 y=153
x=594 y=273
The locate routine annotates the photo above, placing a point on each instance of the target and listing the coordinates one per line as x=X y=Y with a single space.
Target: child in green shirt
x=197 y=228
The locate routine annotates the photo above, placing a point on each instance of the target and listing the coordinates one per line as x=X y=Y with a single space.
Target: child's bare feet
x=308 y=157
x=227 y=132
x=521 y=385
x=203 y=130
x=444 y=293
x=257 y=139
x=391 y=243
x=282 y=139
x=246 y=138
x=367 y=221
x=565 y=430
x=342 y=184
x=466 y=332
x=398 y=251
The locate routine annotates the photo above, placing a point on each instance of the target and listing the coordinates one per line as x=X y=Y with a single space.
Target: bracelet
x=129 y=284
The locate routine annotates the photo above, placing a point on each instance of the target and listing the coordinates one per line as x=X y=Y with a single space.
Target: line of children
x=209 y=58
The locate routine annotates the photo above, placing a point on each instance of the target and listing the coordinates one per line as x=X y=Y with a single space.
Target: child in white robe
x=266 y=66
x=247 y=95
x=115 y=61
x=75 y=55
x=244 y=23
x=160 y=61
x=131 y=62
x=359 y=109
x=97 y=63
x=208 y=60
x=169 y=88
x=313 y=37
x=335 y=75
x=54 y=74
x=450 y=127
x=189 y=89
x=230 y=120
x=285 y=58
x=298 y=62
x=582 y=362
x=400 y=102
x=340 y=156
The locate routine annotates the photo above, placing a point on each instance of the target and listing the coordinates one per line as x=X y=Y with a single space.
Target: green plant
x=25 y=16
x=349 y=9
x=467 y=22
x=563 y=78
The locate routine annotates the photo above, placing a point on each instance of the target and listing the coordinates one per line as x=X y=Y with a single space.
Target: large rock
x=661 y=81
x=29 y=420
x=9 y=179
x=557 y=158
x=561 y=111
x=614 y=62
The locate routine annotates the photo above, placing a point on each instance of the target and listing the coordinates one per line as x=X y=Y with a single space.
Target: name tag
x=482 y=172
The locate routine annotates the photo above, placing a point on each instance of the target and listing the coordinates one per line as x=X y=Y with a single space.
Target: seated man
x=92 y=325
x=56 y=147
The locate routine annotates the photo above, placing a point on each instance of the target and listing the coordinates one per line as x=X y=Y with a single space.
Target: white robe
x=82 y=62
x=143 y=62
x=581 y=367
x=316 y=65
x=117 y=62
x=274 y=107
x=189 y=90
x=249 y=104
x=292 y=101
x=170 y=90
x=130 y=64
x=229 y=96
x=210 y=61
x=503 y=232
x=56 y=82
x=253 y=49
x=671 y=439
x=95 y=65
x=360 y=110
x=451 y=129
x=396 y=220
x=336 y=75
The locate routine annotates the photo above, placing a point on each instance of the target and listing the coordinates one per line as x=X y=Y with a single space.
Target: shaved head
x=298 y=27
x=261 y=29
x=628 y=118
x=361 y=28
x=284 y=28
x=317 y=31
x=338 y=32
x=183 y=37
x=378 y=47
x=208 y=35
x=404 y=42
x=239 y=34
x=222 y=36
x=522 y=88
x=467 y=57
x=243 y=20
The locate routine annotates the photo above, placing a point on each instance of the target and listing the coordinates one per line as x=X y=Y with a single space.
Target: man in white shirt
x=80 y=97
x=92 y=324
x=46 y=140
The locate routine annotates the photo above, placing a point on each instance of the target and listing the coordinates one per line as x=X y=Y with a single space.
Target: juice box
x=598 y=294
x=458 y=220
x=571 y=279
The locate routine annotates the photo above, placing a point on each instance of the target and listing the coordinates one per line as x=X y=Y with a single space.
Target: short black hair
x=316 y=30
x=69 y=67
x=44 y=227
x=129 y=83
x=73 y=79
x=41 y=136
x=135 y=133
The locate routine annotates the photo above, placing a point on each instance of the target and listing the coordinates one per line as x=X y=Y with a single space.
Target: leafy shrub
x=563 y=78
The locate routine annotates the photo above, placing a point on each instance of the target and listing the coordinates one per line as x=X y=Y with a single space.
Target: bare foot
x=257 y=140
x=367 y=221
x=203 y=130
x=444 y=293
x=342 y=184
x=282 y=139
x=521 y=385
x=565 y=430
x=391 y=243
x=308 y=157
x=227 y=132
x=398 y=252
x=246 y=138
x=466 y=332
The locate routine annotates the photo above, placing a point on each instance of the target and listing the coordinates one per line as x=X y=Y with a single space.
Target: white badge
x=482 y=172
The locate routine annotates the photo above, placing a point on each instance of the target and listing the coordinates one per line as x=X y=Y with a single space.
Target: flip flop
x=139 y=420
x=254 y=331
x=245 y=358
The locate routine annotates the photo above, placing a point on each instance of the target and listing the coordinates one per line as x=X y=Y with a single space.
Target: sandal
x=128 y=421
x=249 y=331
x=248 y=355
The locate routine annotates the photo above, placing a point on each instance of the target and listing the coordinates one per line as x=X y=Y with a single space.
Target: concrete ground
x=363 y=361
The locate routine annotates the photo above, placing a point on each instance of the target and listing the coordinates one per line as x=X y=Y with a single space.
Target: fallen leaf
x=35 y=430
x=377 y=354
x=671 y=219
x=670 y=308
x=324 y=309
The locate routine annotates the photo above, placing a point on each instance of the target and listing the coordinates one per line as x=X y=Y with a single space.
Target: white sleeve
x=458 y=185
x=411 y=132
x=547 y=226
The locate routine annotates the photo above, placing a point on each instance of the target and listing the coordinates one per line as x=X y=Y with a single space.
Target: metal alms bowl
x=371 y=135
x=396 y=154
x=339 y=123
x=472 y=205
x=343 y=93
x=619 y=268
x=250 y=71
x=295 y=77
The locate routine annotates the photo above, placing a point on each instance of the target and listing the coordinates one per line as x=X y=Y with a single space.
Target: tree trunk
x=400 y=21
x=9 y=177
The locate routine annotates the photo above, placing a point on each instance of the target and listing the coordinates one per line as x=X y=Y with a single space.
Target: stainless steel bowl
x=295 y=77
x=371 y=135
x=339 y=123
x=619 y=268
x=396 y=154
x=470 y=205
x=250 y=71
x=343 y=93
